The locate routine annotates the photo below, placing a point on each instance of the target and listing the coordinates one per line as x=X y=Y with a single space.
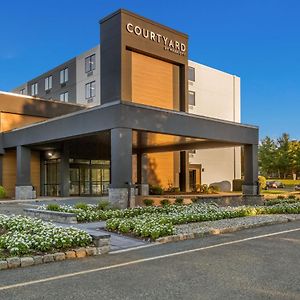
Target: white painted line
x=134 y=262
x=133 y=248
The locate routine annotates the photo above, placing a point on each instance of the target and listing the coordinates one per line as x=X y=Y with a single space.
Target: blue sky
x=258 y=40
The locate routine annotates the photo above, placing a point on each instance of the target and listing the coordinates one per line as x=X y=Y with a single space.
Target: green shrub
x=280 y=197
x=81 y=205
x=148 y=202
x=103 y=205
x=53 y=207
x=2 y=192
x=204 y=188
x=213 y=189
x=179 y=200
x=262 y=182
x=155 y=190
x=293 y=197
x=194 y=199
x=164 y=202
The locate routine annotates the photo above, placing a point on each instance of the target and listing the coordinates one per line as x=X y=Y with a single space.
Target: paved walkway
x=118 y=242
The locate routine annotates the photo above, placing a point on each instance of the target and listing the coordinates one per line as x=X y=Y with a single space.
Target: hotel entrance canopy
x=120 y=129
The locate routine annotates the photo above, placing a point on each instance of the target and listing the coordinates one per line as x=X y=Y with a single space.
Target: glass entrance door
x=88 y=179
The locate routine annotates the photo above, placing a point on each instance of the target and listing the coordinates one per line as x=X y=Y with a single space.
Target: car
x=275 y=184
x=297 y=187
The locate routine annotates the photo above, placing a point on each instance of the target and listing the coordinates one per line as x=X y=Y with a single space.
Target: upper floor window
x=64 y=97
x=90 y=90
x=22 y=91
x=48 y=83
x=90 y=63
x=191 y=73
x=192 y=100
x=64 y=75
x=34 y=89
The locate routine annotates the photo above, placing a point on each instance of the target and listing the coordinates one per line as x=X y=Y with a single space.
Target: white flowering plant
x=22 y=235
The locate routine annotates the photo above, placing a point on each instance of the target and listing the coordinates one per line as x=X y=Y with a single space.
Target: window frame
x=64 y=75
x=63 y=98
x=48 y=83
x=90 y=63
x=34 y=89
x=90 y=89
x=194 y=102
x=192 y=78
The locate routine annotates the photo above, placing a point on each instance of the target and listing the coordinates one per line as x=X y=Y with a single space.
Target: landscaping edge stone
x=25 y=261
x=216 y=231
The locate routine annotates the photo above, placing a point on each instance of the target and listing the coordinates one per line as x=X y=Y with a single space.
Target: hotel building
x=134 y=110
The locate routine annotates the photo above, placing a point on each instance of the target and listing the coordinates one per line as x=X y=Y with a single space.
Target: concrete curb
x=216 y=231
x=101 y=242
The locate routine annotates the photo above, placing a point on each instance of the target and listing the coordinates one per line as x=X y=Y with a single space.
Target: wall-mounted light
x=49 y=154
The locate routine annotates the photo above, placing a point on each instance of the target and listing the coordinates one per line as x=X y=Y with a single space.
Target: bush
x=155 y=190
x=164 y=202
x=204 y=188
x=148 y=202
x=179 y=201
x=103 y=205
x=53 y=207
x=293 y=197
x=2 y=192
x=81 y=205
x=280 y=197
x=262 y=182
x=213 y=189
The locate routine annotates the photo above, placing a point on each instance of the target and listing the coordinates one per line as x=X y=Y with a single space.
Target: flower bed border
x=102 y=246
x=216 y=231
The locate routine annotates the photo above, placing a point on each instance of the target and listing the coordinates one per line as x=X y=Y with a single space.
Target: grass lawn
x=287 y=182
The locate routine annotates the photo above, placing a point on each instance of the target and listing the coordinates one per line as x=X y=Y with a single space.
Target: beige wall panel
x=10 y=168
x=35 y=171
x=152 y=81
x=10 y=121
x=9 y=172
x=161 y=169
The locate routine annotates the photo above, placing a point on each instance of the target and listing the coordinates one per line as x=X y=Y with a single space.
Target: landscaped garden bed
x=154 y=222
x=21 y=235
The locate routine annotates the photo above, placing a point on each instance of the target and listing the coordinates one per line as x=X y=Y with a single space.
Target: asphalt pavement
x=260 y=263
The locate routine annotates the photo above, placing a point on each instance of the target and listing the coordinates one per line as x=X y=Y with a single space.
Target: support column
x=24 y=189
x=250 y=186
x=184 y=172
x=142 y=174
x=120 y=192
x=65 y=171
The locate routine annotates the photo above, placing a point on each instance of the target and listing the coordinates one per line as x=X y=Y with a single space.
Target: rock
x=48 y=258
x=224 y=186
x=3 y=264
x=26 y=261
x=13 y=262
x=80 y=252
x=90 y=251
x=70 y=254
x=38 y=259
x=59 y=256
x=103 y=250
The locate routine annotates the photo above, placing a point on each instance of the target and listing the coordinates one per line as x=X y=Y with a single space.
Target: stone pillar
x=184 y=172
x=24 y=189
x=250 y=186
x=142 y=174
x=121 y=167
x=65 y=171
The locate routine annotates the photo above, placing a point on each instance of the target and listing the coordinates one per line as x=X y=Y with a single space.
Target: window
x=34 y=89
x=22 y=91
x=48 y=83
x=191 y=98
x=191 y=73
x=64 y=97
x=64 y=75
x=90 y=90
x=90 y=63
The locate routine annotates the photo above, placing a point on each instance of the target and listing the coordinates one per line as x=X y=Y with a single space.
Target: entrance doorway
x=89 y=177
x=194 y=177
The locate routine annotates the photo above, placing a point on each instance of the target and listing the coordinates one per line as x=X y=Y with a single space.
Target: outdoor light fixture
x=50 y=154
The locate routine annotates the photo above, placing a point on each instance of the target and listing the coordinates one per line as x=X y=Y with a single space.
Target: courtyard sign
x=168 y=44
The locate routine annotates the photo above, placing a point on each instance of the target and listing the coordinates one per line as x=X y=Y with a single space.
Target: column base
x=24 y=192
x=143 y=189
x=251 y=190
x=119 y=197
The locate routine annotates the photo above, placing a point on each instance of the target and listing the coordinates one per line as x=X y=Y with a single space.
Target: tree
x=267 y=156
x=294 y=156
x=282 y=155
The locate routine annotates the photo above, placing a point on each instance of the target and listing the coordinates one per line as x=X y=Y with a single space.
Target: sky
x=257 y=40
